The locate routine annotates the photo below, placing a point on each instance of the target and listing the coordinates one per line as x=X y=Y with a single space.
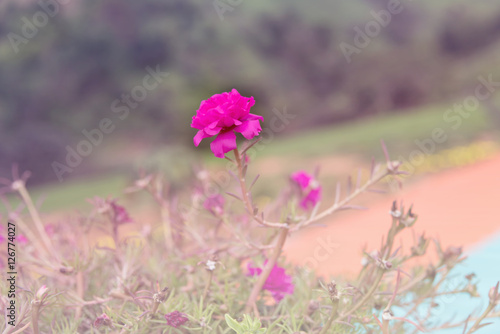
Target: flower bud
x=494 y=295
x=333 y=291
x=409 y=220
x=42 y=292
x=394 y=212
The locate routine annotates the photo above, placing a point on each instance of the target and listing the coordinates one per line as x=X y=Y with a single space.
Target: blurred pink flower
x=222 y=115
x=302 y=179
x=176 y=319
x=278 y=282
x=215 y=204
x=120 y=214
x=22 y=239
x=311 y=199
x=50 y=230
x=309 y=188
x=117 y=213
x=102 y=320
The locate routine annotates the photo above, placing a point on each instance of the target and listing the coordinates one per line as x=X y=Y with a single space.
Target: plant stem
x=35 y=311
x=390 y=239
x=337 y=206
x=207 y=286
x=167 y=228
x=385 y=326
x=21 y=189
x=80 y=289
x=246 y=198
x=373 y=288
x=283 y=233
x=475 y=327
x=267 y=270
x=333 y=314
x=243 y=185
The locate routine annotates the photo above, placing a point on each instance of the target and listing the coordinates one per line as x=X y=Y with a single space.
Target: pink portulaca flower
x=215 y=204
x=222 y=115
x=278 y=282
x=309 y=188
x=176 y=319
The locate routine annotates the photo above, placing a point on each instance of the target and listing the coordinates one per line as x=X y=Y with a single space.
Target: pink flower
x=120 y=215
x=22 y=239
x=117 y=213
x=50 y=230
x=215 y=204
x=176 y=319
x=102 y=320
x=302 y=179
x=311 y=199
x=222 y=115
x=278 y=282
x=309 y=188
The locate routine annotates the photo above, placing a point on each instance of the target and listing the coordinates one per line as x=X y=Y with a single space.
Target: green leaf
x=236 y=326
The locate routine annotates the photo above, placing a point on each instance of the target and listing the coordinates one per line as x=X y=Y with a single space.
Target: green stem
x=373 y=288
x=475 y=327
x=241 y=178
x=207 y=286
x=333 y=314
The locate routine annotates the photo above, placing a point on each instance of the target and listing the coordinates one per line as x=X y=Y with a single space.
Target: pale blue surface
x=484 y=261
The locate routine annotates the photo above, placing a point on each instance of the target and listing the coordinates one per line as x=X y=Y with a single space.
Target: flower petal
x=225 y=142
x=312 y=198
x=253 y=271
x=302 y=179
x=199 y=137
x=249 y=129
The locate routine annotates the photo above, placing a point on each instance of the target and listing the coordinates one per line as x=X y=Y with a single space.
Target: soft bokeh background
x=61 y=78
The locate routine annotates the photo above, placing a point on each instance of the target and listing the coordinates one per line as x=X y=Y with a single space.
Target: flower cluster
x=222 y=115
x=309 y=187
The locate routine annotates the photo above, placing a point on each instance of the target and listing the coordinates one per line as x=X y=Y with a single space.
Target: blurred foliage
x=285 y=53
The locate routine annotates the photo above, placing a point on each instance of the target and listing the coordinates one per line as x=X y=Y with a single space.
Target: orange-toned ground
x=460 y=207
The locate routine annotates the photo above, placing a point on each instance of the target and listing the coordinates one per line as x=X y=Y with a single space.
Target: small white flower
x=211 y=265
x=395 y=214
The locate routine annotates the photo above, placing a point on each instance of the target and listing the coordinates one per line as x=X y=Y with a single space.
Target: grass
x=398 y=131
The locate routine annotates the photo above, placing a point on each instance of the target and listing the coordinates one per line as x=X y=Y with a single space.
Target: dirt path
x=460 y=207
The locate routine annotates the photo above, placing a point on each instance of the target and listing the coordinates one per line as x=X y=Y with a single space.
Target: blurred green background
x=64 y=78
